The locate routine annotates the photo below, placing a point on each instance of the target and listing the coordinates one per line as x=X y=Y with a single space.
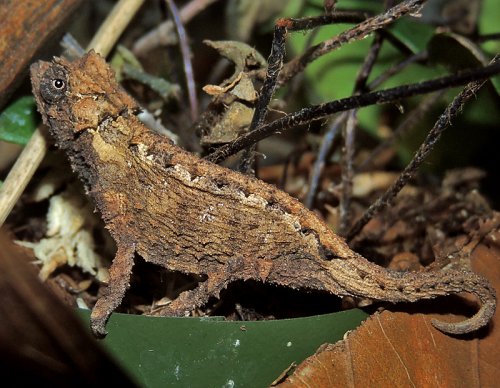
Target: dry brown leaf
x=486 y=261
x=391 y=350
x=404 y=350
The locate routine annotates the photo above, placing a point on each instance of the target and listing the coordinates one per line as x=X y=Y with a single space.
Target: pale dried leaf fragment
x=68 y=238
x=244 y=56
x=49 y=184
x=366 y=183
x=215 y=90
x=234 y=97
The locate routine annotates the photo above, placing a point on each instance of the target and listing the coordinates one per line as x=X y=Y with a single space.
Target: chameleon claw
x=98 y=324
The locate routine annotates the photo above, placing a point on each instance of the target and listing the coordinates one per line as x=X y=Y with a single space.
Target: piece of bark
x=26 y=26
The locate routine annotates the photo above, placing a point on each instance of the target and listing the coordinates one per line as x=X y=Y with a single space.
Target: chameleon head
x=79 y=95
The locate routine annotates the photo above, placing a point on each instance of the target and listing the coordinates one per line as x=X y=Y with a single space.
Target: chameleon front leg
x=119 y=281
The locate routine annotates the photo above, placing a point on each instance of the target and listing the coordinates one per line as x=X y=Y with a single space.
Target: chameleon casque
x=189 y=215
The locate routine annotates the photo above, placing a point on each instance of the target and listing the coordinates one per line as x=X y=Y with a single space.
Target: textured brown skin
x=189 y=215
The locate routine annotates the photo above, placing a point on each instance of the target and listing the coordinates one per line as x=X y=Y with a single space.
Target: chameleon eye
x=58 y=83
x=54 y=84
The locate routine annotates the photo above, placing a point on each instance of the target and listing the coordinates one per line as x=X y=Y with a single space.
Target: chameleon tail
x=481 y=288
x=356 y=276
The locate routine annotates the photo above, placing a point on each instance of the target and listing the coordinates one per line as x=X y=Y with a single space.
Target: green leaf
x=333 y=75
x=19 y=120
x=126 y=65
x=208 y=352
x=455 y=52
x=165 y=90
x=488 y=24
x=412 y=33
x=121 y=57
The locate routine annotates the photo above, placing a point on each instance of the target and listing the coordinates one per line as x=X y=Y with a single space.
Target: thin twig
x=275 y=60
x=409 y=122
x=72 y=49
x=34 y=152
x=21 y=172
x=319 y=164
x=349 y=134
x=317 y=112
x=331 y=134
x=274 y=65
x=368 y=64
x=186 y=59
x=348 y=150
x=432 y=138
x=114 y=25
x=358 y=32
x=308 y=23
x=162 y=35
x=398 y=67
x=312 y=23
x=488 y=37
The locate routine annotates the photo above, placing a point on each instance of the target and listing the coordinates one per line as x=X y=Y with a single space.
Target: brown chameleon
x=189 y=215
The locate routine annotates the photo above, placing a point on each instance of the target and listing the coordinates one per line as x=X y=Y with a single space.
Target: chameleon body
x=187 y=214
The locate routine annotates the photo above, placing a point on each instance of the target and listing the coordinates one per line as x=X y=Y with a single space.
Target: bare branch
x=186 y=59
x=163 y=35
x=409 y=122
x=358 y=32
x=349 y=134
x=432 y=138
x=317 y=112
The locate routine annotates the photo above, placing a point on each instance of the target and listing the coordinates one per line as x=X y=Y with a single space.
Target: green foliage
x=211 y=352
x=488 y=24
x=126 y=65
x=18 y=121
x=333 y=75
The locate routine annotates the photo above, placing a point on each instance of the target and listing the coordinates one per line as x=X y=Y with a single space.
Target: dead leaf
x=69 y=237
x=404 y=350
x=231 y=110
x=367 y=182
x=486 y=262
x=215 y=90
x=391 y=350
